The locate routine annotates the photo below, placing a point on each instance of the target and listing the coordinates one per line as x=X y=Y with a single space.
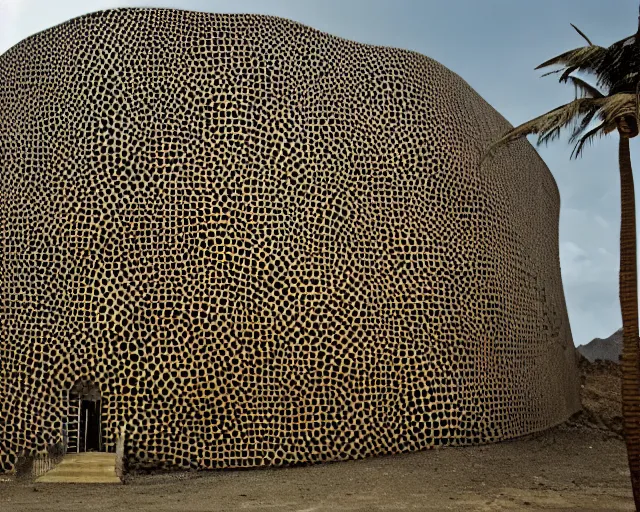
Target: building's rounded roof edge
x=105 y=12
x=406 y=52
x=508 y=124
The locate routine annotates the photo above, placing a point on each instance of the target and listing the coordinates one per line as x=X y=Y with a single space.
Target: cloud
x=574 y=262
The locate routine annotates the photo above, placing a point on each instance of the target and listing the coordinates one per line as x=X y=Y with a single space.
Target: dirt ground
x=580 y=465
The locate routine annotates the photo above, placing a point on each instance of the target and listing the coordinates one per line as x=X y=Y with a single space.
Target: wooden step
x=83 y=468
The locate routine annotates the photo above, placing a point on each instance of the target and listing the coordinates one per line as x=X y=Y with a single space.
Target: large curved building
x=244 y=242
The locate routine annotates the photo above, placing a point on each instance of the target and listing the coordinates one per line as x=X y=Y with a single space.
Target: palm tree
x=616 y=107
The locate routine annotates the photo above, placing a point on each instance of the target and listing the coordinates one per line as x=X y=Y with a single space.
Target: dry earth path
x=567 y=468
x=577 y=466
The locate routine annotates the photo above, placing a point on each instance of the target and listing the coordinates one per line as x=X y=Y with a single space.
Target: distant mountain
x=608 y=349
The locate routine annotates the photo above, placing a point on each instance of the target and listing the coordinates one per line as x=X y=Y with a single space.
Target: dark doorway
x=84 y=413
x=90 y=426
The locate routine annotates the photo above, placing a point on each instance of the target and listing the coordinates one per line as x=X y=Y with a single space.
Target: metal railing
x=38 y=463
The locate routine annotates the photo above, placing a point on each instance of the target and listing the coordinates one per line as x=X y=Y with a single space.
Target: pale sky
x=495 y=46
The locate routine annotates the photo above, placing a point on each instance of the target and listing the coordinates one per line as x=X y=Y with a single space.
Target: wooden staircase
x=83 y=468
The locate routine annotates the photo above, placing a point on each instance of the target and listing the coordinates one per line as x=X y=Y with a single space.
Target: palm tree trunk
x=629 y=307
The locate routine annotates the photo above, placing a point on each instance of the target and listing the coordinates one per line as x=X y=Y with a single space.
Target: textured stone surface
x=267 y=245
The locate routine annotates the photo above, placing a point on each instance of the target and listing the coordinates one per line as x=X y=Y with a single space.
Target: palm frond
x=588 y=137
x=582 y=125
x=548 y=126
x=587 y=90
x=616 y=66
x=617 y=106
x=551 y=124
x=582 y=34
x=583 y=58
x=552 y=72
x=616 y=70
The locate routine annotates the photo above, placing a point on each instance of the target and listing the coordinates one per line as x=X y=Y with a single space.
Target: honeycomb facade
x=259 y=244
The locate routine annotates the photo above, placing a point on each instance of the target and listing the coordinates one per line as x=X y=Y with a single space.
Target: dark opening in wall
x=84 y=411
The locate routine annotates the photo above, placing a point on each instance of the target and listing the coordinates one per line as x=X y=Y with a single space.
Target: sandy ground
x=580 y=465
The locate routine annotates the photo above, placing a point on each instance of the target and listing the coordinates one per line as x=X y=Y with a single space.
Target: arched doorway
x=84 y=429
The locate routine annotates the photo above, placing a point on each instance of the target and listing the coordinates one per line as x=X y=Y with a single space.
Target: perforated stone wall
x=267 y=245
